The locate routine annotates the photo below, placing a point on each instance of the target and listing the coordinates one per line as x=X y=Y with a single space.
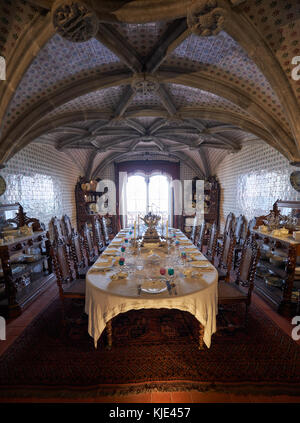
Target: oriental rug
x=153 y=349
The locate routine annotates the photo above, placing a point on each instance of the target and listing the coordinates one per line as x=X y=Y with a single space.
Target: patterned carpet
x=151 y=349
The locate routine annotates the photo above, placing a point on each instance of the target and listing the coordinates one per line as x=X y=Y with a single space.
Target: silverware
x=175 y=290
x=169 y=287
x=139 y=287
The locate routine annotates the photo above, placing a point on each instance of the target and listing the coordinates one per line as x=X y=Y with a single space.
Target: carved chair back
x=66 y=226
x=248 y=263
x=240 y=227
x=89 y=244
x=212 y=242
x=227 y=253
x=105 y=230
x=97 y=233
x=55 y=230
x=78 y=251
x=194 y=230
x=230 y=222
x=63 y=265
x=201 y=236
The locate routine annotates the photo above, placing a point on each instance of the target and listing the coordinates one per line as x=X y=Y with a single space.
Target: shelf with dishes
x=25 y=264
x=278 y=271
x=211 y=204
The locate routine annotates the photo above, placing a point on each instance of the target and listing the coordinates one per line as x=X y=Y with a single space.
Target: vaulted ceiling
x=191 y=80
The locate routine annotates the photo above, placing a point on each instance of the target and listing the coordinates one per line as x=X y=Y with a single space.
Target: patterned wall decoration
x=142 y=37
x=253 y=179
x=279 y=22
x=59 y=62
x=43 y=181
x=221 y=56
x=193 y=97
x=106 y=98
x=15 y=16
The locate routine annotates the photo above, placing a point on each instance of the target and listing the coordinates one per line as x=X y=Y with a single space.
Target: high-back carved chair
x=229 y=226
x=240 y=228
x=240 y=235
x=55 y=230
x=240 y=291
x=200 y=240
x=89 y=245
x=98 y=235
x=226 y=258
x=105 y=231
x=79 y=255
x=66 y=226
x=194 y=230
x=212 y=243
x=68 y=284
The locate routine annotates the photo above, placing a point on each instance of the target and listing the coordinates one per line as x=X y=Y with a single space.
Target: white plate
x=154 y=286
x=201 y=265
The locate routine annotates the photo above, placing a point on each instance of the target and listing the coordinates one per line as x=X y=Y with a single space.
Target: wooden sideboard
x=26 y=268
x=281 y=297
x=86 y=199
x=211 y=204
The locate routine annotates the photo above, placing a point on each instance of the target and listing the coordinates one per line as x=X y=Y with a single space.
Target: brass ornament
x=74 y=21
x=205 y=18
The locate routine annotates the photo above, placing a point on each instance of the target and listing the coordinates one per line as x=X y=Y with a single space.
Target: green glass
x=170 y=272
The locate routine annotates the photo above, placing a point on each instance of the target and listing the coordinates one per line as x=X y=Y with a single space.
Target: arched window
x=147 y=193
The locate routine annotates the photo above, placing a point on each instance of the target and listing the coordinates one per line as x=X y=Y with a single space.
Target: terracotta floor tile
x=198 y=397
x=161 y=397
x=180 y=397
x=138 y=398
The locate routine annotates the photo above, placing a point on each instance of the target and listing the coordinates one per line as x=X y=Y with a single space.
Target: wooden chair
x=55 y=230
x=229 y=226
x=201 y=236
x=240 y=235
x=68 y=284
x=240 y=291
x=89 y=245
x=78 y=253
x=97 y=234
x=105 y=231
x=66 y=226
x=212 y=243
x=225 y=262
x=194 y=230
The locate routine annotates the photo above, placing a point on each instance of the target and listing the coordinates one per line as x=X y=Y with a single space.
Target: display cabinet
x=26 y=269
x=278 y=271
x=211 y=204
x=86 y=197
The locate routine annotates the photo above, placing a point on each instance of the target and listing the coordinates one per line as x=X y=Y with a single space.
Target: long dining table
x=113 y=288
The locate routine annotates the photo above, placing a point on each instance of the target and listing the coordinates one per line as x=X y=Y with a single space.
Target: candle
x=134 y=236
x=162 y=271
x=167 y=229
x=138 y=225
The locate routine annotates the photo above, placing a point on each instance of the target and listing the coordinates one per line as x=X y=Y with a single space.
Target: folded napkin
x=99 y=269
x=120 y=275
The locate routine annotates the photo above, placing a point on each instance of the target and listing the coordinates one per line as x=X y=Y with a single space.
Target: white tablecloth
x=106 y=298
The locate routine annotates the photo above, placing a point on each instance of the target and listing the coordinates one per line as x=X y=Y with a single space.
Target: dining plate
x=155 y=286
x=201 y=265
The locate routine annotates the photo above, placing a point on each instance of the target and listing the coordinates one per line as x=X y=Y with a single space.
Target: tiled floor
x=16 y=326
